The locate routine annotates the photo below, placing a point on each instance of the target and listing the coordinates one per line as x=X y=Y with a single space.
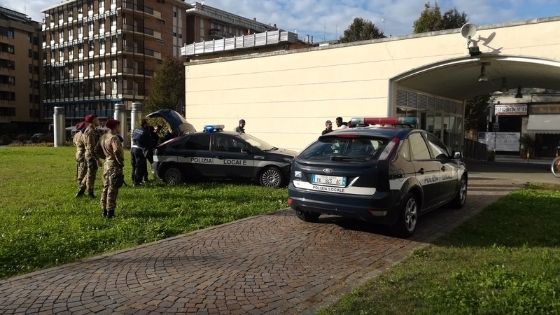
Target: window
x=198 y=142
x=7 y=111
x=404 y=151
x=7 y=96
x=7 y=48
x=228 y=144
x=419 y=148
x=355 y=149
x=438 y=148
x=7 y=64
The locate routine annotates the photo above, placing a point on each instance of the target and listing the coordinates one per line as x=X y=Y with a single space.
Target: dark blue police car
x=388 y=175
x=220 y=154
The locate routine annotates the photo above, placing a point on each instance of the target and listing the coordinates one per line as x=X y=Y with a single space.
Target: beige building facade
x=286 y=96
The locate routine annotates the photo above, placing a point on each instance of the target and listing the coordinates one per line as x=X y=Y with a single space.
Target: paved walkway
x=266 y=264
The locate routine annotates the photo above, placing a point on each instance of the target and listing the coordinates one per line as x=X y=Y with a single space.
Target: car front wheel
x=271 y=177
x=461 y=196
x=172 y=176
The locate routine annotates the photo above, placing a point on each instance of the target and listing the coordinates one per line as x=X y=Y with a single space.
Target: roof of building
x=14 y=15
x=228 y=17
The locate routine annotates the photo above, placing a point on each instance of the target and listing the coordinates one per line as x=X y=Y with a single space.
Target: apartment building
x=19 y=67
x=102 y=52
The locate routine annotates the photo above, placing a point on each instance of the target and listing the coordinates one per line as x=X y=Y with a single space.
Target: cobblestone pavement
x=266 y=264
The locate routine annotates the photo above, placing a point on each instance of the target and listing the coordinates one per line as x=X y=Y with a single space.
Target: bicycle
x=555 y=166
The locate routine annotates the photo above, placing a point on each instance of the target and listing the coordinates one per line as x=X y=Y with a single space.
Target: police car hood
x=281 y=151
x=177 y=123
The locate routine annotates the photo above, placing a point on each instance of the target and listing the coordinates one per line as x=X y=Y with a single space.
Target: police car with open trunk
x=215 y=153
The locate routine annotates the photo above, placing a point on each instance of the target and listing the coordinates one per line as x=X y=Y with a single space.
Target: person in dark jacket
x=142 y=143
x=328 y=127
x=241 y=127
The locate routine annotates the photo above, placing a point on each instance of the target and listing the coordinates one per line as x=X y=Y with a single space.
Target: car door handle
x=443 y=168
x=421 y=171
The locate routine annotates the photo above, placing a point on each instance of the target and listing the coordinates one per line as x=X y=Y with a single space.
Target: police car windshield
x=257 y=143
x=334 y=148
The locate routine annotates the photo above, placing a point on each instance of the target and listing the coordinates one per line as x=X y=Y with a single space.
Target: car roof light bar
x=393 y=121
x=213 y=128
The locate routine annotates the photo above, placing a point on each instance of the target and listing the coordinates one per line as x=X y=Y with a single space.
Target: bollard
x=135 y=116
x=58 y=126
x=121 y=115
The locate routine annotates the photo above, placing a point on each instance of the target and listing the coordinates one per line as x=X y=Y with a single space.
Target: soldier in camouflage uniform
x=113 y=178
x=81 y=165
x=91 y=139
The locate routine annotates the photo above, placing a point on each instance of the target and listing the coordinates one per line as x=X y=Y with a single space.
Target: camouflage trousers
x=112 y=177
x=81 y=171
x=89 y=180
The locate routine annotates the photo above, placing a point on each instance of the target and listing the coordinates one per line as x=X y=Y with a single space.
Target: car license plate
x=338 y=181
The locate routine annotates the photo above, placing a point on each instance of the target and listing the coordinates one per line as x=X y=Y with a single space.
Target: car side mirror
x=457 y=155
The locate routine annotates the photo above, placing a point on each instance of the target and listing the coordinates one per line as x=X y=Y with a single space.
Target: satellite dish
x=468 y=30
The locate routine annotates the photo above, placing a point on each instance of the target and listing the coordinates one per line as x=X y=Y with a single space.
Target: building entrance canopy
x=464 y=78
x=549 y=124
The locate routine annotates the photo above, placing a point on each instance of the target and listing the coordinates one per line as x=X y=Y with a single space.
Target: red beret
x=90 y=118
x=111 y=123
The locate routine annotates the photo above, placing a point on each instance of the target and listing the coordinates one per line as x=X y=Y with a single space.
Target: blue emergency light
x=213 y=128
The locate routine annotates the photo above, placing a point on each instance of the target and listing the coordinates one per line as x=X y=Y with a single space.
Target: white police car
x=215 y=153
x=388 y=175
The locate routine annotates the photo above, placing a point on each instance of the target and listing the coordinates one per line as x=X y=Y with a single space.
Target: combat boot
x=91 y=195
x=80 y=192
x=105 y=212
x=110 y=213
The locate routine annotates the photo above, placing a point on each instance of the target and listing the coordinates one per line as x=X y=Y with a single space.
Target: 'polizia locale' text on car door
x=383 y=174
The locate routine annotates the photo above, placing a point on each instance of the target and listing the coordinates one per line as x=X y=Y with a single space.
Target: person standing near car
x=328 y=127
x=241 y=127
x=91 y=141
x=113 y=177
x=341 y=124
x=141 y=143
x=81 y=165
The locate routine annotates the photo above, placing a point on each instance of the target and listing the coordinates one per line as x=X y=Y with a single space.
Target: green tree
x=361 y=29
x=431 y=19
x=453 y=19
x=168 y=87
x=476 y=112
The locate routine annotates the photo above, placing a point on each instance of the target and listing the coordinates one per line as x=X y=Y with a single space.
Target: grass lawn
x=44 y=225
x=506 y=260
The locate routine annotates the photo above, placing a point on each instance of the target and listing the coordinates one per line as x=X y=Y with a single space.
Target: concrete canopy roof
x=458 y=78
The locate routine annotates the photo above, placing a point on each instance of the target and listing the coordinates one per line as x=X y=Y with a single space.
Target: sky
x=327 y=19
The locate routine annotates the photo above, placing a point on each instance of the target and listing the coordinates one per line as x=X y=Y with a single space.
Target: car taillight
x=389 y=149
x=290 y=201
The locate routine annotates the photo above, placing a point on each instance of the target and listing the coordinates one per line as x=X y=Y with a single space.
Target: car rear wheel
x=408 y=216
x=271 y=177
x=307 y=216
x=461 y=196
x=173 y=176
